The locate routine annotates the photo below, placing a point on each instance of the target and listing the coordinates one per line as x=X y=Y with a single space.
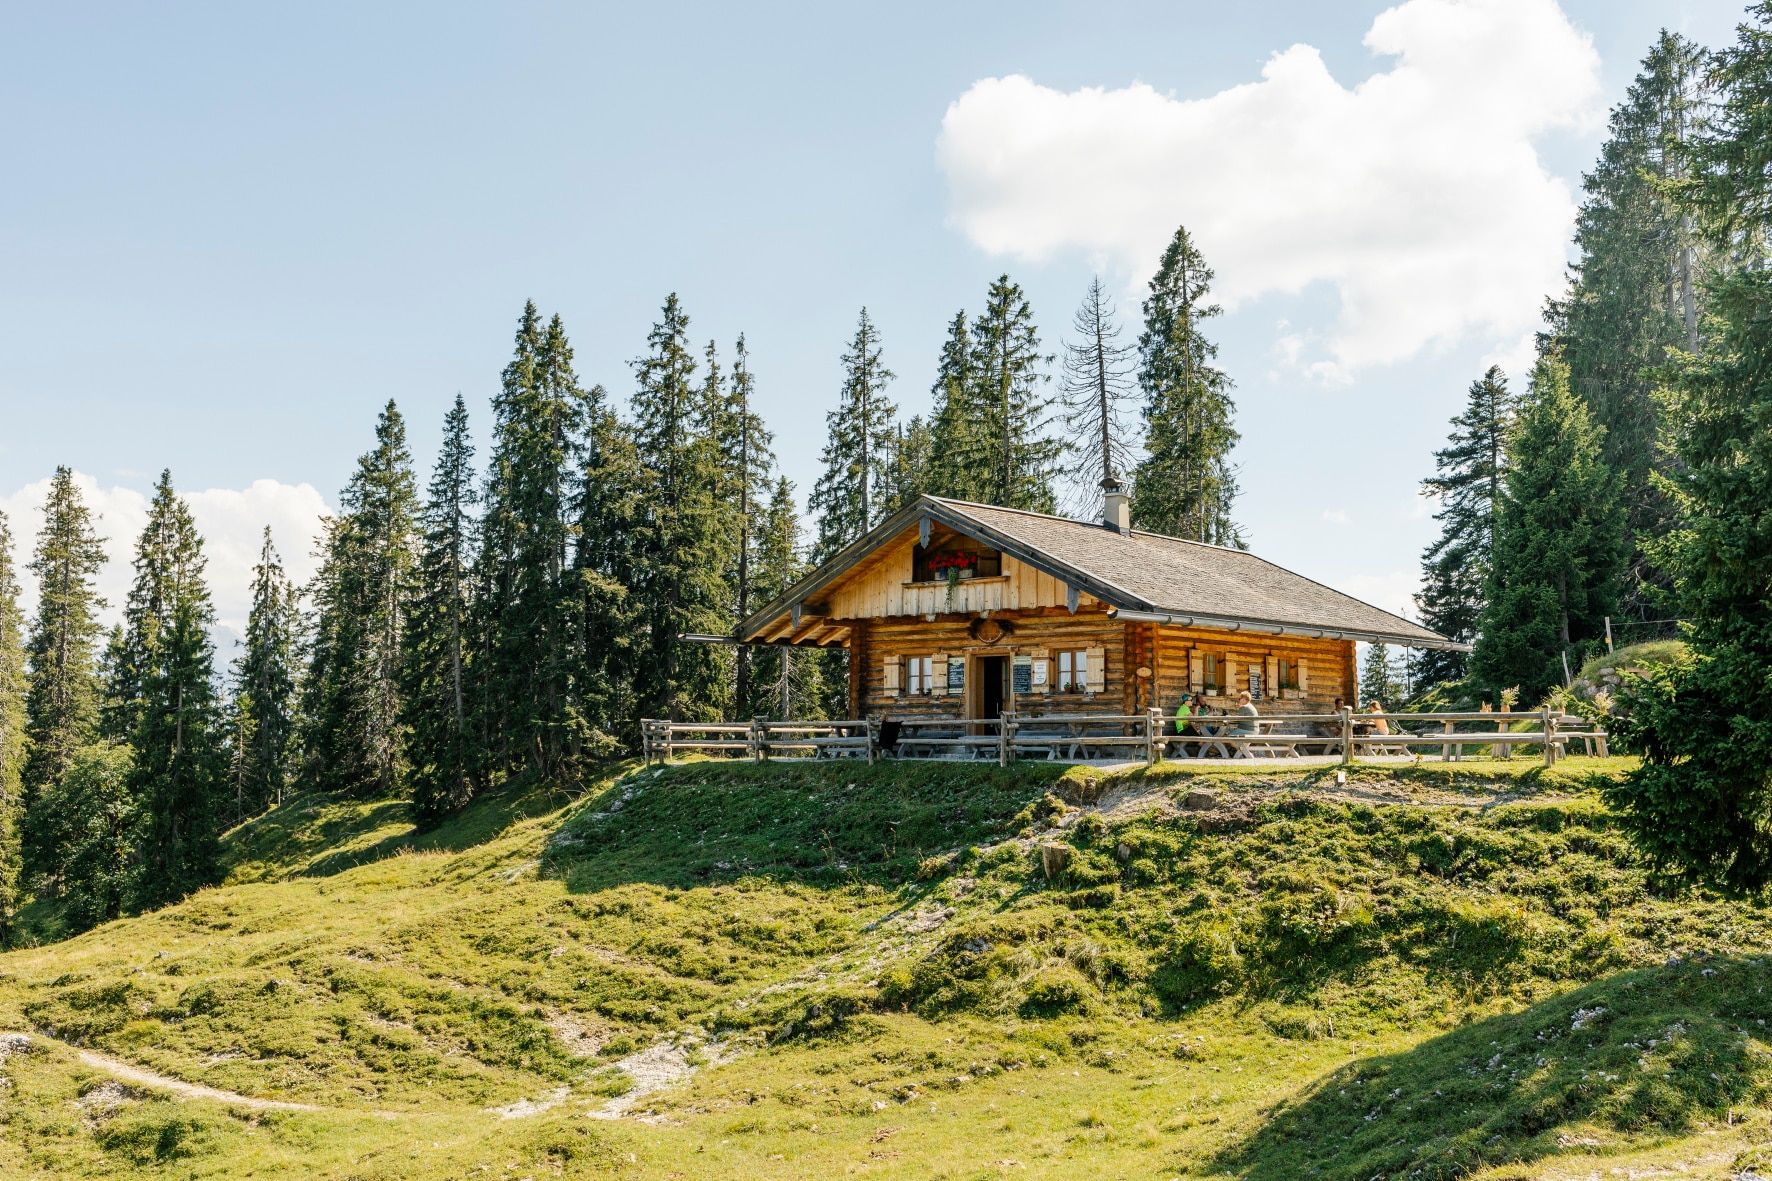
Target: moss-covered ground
x=915 y=971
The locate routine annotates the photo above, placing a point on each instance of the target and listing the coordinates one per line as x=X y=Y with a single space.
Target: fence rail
x=1152 y=736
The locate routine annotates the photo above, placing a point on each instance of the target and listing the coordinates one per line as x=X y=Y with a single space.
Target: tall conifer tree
x=439 y=667
x=1468 y=477
x=352 y=734
x=1185 y=485
x=1699 y=804
x=745 y=448
x=678 y=569
x=788 y=682
x=177 y=776
x=853 y=492
x=62 y=702
x=12 y=737
x=954 y=432
x=1015 y=458
x=1633 y=294
x=1097 y=384
x=1559 y=544
x=611 y=541
x=266 y=676
x=531 y=493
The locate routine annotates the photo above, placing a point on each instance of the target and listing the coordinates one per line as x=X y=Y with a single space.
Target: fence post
x=646 y=742
x=1446 y=751
x=759 y=740
x=1347 y=736
x=1545 y=725
x=1152 y=749
x=868 y=736
x=669 y=740
x=1003 y=739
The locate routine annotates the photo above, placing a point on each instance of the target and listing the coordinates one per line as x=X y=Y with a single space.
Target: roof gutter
x=1261 y=627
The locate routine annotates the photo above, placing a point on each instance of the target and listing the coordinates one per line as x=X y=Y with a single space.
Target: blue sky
x=229 y=233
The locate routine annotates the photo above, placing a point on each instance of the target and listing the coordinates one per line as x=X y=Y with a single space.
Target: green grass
x=1428 y=971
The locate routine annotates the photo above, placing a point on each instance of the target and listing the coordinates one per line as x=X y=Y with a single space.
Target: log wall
x=1125 y=648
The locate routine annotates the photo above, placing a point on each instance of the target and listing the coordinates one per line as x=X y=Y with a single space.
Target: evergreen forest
x=480 y=622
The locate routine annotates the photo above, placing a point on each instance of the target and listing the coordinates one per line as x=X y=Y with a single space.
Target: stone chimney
x=1116 y=506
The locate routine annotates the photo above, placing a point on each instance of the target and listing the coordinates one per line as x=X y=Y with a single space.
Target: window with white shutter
x=892 y=676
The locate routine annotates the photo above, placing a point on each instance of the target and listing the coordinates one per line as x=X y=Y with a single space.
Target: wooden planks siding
x=881 y=587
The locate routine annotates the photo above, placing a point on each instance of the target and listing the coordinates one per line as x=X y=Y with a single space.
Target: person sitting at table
x=1183 y=712
x=1379 y=725
x=1245 y=710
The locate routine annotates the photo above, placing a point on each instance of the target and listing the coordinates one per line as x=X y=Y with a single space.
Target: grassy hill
x=912 y=971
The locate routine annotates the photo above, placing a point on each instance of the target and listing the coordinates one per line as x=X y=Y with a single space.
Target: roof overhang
x=1268 y=627
x=796 y=616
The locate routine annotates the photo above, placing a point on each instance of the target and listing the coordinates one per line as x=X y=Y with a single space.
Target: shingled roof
x=1138 y=575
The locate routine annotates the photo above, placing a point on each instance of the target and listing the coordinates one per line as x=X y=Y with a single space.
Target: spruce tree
x=12 y=737
x=1378 y=678
x=1698 y=805
x=1559 y=544
x=99 y=821
x=788 y=682
x=352 y=737
x=438 y=690
x=853 y=492
x=678 y=568
x=178 y=766
x=745 y=448
x=1185 y=485
x=1633 y=294
x=1015 y=459
x=610 y=519
x=908 y=469
x=531 y=491
x=62 y=700
x=955 y=433
x=266 y=676
x=1097 y=385
x=1455 y=569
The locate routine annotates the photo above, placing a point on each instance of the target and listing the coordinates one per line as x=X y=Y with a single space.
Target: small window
x=1286 y=673
x=1073 y=672
x=919 y=675
x=1209 y=672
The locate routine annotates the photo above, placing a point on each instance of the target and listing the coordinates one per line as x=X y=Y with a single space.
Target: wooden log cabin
x=956 y=610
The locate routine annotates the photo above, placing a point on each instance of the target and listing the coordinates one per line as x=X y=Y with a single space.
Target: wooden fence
x=1151 y=736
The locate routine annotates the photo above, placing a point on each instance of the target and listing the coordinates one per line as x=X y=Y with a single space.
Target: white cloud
x=1418 y=194
x=231 y=521
x=1335 y=516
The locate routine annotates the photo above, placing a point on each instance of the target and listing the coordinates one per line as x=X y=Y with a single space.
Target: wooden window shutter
x=1304 y=680
x=1270 y=678
x=1196 y=672
x=892 y=667
x=940 y=676
x=1097 y=669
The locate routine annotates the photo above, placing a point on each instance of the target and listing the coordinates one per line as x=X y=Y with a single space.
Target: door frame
x=975 y=681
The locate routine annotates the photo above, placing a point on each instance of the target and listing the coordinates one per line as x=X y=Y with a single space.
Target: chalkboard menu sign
x=956 y=674
x=1022 y=676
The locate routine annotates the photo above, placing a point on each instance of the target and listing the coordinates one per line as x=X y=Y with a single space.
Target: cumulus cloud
x=231 y=521
x=1418 y=194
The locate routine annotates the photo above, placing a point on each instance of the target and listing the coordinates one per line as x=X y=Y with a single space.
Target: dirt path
x=150 y=1078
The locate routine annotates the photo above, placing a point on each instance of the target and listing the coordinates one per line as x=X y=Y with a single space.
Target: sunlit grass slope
x=871 y=974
